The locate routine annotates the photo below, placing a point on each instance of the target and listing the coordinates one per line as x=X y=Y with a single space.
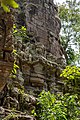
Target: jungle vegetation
x=65 y=106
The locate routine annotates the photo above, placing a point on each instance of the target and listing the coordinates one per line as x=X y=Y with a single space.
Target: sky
x=61 y=1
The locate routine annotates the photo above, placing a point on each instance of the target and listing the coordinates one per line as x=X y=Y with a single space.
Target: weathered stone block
x=5 y=70
x=37 y=81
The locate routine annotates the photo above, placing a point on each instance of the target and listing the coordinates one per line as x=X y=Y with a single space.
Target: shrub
x=56 y=107
x=71 y=79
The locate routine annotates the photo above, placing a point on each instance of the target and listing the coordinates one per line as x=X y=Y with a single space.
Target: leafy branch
x=6 y=4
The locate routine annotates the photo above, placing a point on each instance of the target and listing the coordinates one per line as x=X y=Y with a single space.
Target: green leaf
x=8 y=3
x=6 y=8
x=12 y=3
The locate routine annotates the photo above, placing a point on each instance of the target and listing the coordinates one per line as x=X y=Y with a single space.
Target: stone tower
x=43 y=53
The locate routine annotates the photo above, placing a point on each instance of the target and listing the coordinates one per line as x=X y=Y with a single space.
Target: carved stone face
x=41 y=19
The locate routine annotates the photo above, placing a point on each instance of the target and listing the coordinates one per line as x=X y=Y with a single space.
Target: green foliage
x=15 y=66
x=14 y=71
x=60 y=107
x=10 y=116
x=69 y=14
x=71 y=78
x=71 y=72
x=8 y=3
x=20 y=33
